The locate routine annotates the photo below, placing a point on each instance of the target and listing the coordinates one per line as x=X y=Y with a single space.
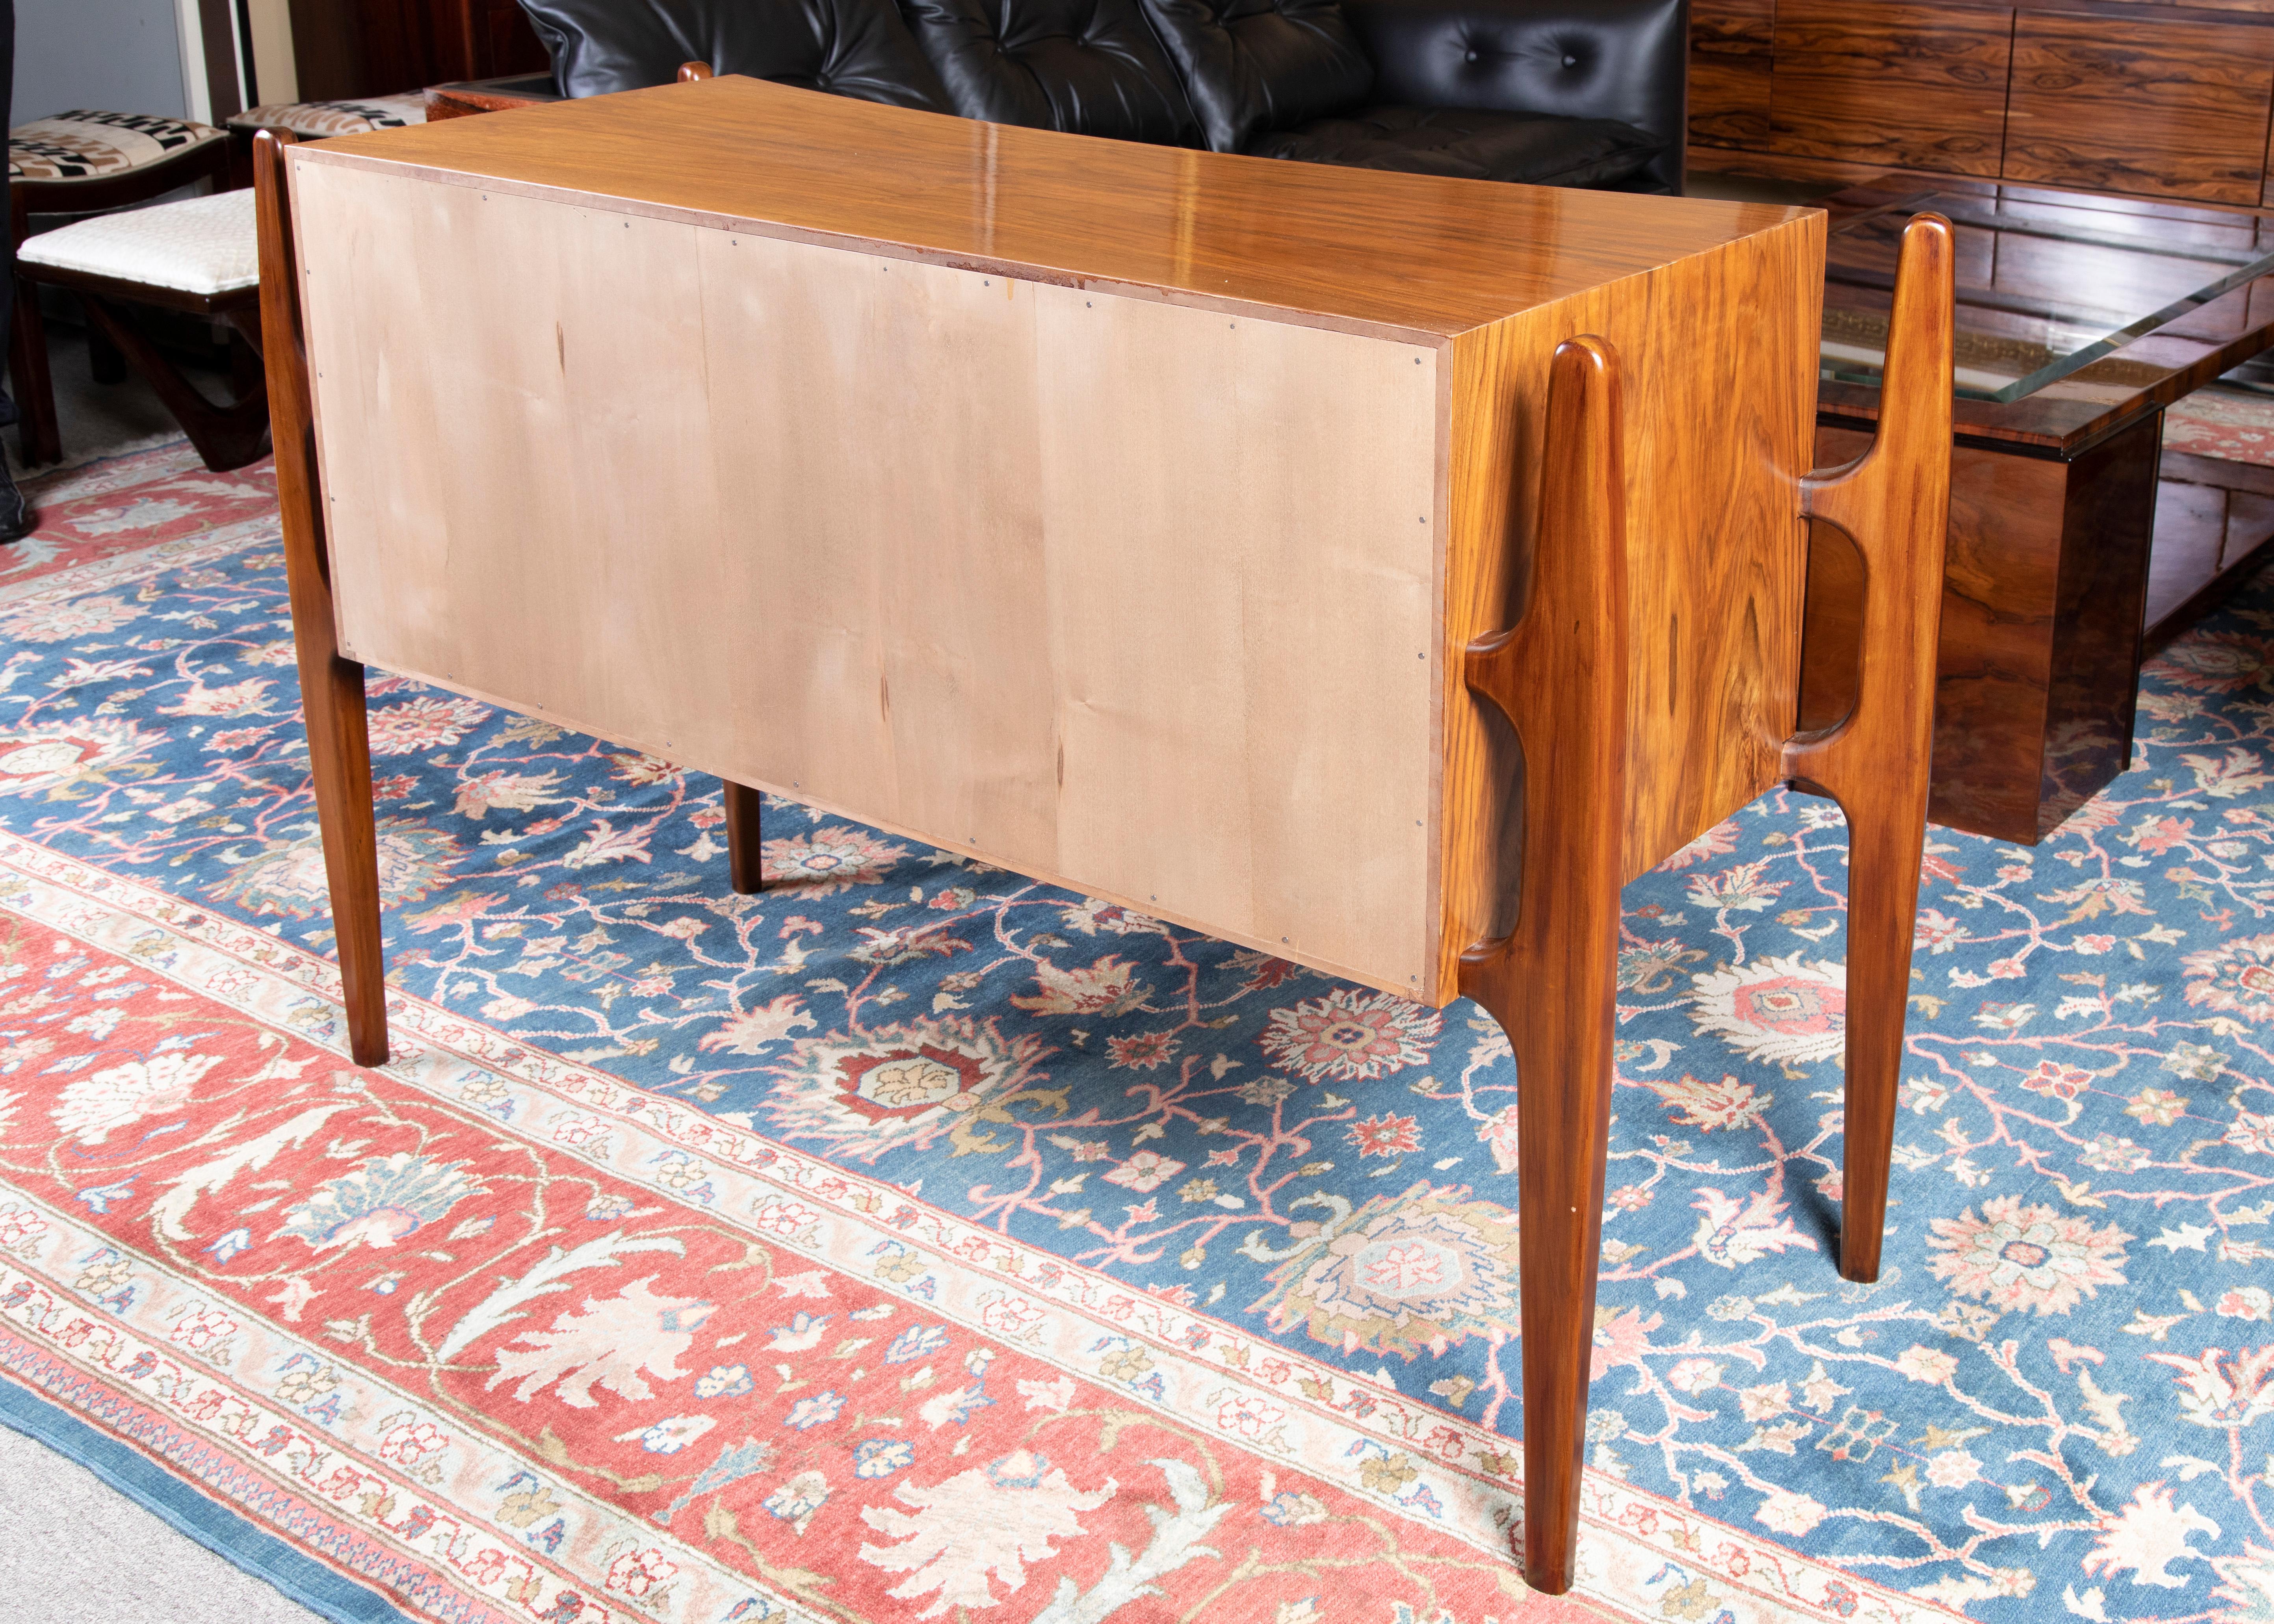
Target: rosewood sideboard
x=1374 y=570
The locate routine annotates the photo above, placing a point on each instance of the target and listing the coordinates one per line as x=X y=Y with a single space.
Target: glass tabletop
x=2048 y=283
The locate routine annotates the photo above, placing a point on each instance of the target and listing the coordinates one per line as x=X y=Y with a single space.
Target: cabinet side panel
x=1722 y=353
x=1130 y=597
x=1718 y=353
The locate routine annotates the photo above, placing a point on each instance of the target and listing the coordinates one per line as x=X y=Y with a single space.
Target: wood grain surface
x=2044 y=582
x=2129 y=96
x=2162 y=107
x=331 y=687
x=1552 y=980
x=1732 y=49
x=2214 y=521
x=1914 y=85
x=1894 y=503
x=1727 y=339
x=1400 y=254
x=745 y=840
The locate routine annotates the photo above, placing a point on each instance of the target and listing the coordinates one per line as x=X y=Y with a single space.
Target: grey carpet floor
x=73 y=1550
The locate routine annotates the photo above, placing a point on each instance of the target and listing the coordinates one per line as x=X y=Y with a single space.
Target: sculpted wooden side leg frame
x=1895 y=503
x=331 y=688
x=1561 y=677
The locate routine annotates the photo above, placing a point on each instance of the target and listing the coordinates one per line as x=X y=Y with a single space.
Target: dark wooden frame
x=37 y=427
x=227 y=435
x=1552 y=982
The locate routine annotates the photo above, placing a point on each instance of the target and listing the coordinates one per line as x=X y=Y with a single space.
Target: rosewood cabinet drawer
x=1914 y=86
x=2168 y=108
x=1732 y=49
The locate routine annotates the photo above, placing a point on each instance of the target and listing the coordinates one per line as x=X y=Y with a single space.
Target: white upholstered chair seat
x=315 y=121
x=204 y=246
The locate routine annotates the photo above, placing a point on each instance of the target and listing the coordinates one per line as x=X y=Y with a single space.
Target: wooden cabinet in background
x=1909 y=86
x=2166 y=108
x=2104 y=95
x=346 y=49
x=1732 y=44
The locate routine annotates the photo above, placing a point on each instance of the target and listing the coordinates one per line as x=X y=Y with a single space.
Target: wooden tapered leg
x=1561 y=677
x=742 y=840
x=1895 y=503
x=105 y=362
x=331 y=688
x=41 y=436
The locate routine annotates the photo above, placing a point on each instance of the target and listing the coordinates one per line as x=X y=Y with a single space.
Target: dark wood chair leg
x=226 y=436
x=331 y=688
x=1894 y=502
x=742 y=840
x=104 y=361
x=27 y=369
x=1552 y=982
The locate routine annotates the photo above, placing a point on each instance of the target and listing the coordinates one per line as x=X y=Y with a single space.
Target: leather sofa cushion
x=1622 y=60
x=1089 y=66
x=1537 y=148
x=1252 y=65
x=850 y=48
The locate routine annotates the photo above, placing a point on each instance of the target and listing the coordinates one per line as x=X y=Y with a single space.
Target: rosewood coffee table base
x=2214 y=532
x=2048 y=562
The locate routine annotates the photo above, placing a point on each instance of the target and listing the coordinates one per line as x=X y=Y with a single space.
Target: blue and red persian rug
x=911 y=1242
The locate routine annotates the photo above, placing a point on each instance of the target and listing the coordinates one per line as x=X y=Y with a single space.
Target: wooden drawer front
x=2169 y=109
x=1912 y=85
x=1732 y=47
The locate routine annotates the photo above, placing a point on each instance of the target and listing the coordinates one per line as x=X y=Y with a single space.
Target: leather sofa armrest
x=1622 y=60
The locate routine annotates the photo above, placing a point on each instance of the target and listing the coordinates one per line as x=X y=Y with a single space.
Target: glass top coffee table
x=2080 y=318
x=2055 y=288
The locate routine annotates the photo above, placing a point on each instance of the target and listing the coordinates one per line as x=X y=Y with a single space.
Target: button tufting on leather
x=1469 y=55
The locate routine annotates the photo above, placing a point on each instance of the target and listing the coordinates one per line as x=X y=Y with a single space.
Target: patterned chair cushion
x=207 y=246
x=315 y=120
x=91 y=145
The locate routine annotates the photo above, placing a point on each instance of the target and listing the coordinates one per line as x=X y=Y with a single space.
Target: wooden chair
x=1569 y=676
x=199 y=256
x=83 y=163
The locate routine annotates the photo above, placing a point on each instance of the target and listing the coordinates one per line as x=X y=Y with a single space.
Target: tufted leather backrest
x=1621 y=59
x=1254 y=65
x=1089 y=66
x=851 y=47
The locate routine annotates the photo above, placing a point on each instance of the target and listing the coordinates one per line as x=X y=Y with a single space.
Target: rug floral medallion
x=914 y=1242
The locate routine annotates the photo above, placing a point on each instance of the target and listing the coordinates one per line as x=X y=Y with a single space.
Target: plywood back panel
x=1132 y=596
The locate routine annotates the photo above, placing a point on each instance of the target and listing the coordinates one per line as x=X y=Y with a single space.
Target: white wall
x=115 y=55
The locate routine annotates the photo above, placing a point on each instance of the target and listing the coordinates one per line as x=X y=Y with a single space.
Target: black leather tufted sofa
x=1585 y=93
